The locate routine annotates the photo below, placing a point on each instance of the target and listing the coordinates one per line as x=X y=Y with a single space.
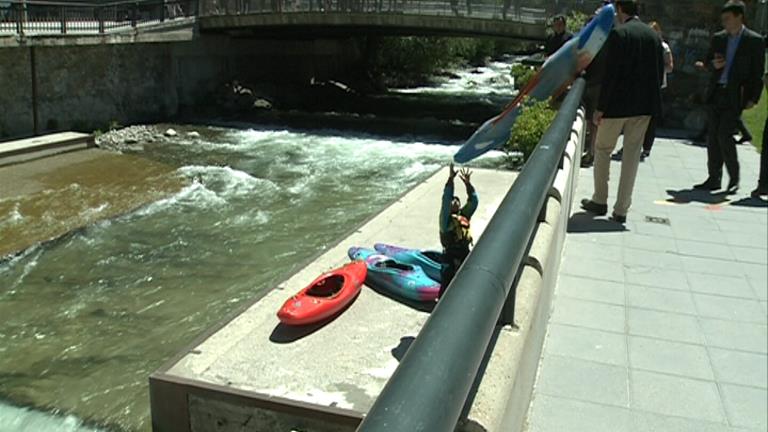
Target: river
x=88 y=317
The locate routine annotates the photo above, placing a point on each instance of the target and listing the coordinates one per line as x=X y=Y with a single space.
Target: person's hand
x=718 y=62
x=750 y=105
x=465 y=175
x=597 y=118
x=452 y=173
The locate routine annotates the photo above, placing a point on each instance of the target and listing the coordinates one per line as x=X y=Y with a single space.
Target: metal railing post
x=100 y=15
x=63 y=19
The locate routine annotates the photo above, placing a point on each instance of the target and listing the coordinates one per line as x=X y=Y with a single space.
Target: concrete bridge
x=60 y=23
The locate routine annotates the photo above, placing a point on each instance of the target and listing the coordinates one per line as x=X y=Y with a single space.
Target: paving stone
x=705 y=250
x=728 y=286
x=660 y=299
x=737 y=367
x=657 y=278
x=586 y=344
x=676 y=396
x=746 y=406
x=574 y=379
x=591 y=289
x=589 y=314
x=729 y=308
x=664 y=325
x=651 y=422
x=735 y=335
x=553 y=414
x=670 y=357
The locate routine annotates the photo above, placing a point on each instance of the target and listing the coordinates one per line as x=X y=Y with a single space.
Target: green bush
x=576 y=21
x=424 y=56
x=534 y=120
x=522 y=74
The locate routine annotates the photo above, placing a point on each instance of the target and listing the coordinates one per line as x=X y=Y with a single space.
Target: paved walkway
x=661 y=327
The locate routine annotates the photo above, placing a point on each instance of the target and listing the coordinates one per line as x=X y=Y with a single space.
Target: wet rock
x=262 y=104
x=131 y=140
x=170 y=133
x=193 y=134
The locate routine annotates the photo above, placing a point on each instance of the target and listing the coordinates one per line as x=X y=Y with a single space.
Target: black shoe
x=744 y=140
x=760 y=191
x=594 y=208
x=618 y=155
x=645 y=154
x=733 y=187
x=587 y=160
x=709 y=185
x=619 y=218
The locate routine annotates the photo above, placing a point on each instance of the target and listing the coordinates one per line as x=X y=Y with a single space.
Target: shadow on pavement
x=687 y=196
x=585 y=223
x=751 y=202
x=399 y=351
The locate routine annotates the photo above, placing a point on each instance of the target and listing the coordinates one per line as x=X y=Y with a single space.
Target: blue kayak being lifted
x=554 y=77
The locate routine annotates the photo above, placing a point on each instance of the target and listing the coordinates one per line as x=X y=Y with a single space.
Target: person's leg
x=746 y=136
x=650 y=136
x=714 y=154
x=634 y=132
x=447 y=272
x=762 y=180
x=727 y=123
x=607 y=135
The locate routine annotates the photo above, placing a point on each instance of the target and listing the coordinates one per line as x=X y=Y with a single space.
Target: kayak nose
x=354 y=252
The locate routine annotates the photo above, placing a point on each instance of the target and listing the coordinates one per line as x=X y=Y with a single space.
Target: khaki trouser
x=607 y=134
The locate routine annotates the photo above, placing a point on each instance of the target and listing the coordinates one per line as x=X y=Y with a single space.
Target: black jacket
x=745 y=79
x=556 y=41
x=634 y=71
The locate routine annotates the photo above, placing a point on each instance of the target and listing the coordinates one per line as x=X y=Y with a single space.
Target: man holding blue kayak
x=455 y=235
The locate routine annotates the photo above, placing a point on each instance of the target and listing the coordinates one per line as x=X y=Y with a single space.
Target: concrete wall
x=88 y=87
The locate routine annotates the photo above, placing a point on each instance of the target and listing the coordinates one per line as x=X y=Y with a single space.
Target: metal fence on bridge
x=45 y=17
x=41 y=17
x=481 y=9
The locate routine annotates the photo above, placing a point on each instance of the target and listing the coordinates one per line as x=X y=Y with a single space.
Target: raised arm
x=445 y=205
x=469 y=208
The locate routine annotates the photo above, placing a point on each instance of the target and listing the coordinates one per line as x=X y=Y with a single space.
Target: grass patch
x=755 y=120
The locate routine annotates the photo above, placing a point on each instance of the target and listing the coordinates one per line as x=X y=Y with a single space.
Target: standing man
x=630 y=95
x=736 y=60
x=762 y=180
x=559 y=37
x=455 y=235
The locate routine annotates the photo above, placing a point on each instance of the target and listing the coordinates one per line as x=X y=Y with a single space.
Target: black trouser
x=763 y=179
x=742 y=128
x=650 y=134
x=721 y=147
x=451 y=263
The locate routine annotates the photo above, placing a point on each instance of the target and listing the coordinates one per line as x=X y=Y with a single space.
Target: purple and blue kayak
x=404 y=280
x=429 y=260
x=554 y=77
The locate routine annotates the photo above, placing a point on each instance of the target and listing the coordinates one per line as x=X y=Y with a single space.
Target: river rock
x=262 y=104
x=171 y=133
x=193 y=134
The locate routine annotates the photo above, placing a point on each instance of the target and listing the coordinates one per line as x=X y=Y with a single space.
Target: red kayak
x=325 y=296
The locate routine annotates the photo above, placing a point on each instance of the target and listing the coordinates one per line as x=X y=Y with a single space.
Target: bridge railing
x=38 y=17
x=465 y=8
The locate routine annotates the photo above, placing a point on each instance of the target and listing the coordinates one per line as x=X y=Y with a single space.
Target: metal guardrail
x=45 y=17
x=430 y=386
